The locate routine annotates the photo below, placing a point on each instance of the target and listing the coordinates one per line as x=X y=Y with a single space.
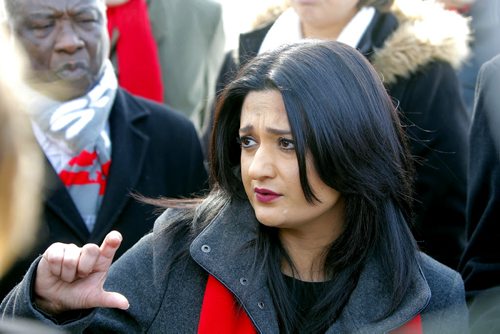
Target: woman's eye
x=245 y=141
x=286 y=144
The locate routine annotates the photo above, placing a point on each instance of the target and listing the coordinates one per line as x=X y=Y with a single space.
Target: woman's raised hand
x=69 y=277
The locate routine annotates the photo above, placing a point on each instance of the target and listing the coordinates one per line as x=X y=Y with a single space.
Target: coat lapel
x=128 y=150
x=59 y=201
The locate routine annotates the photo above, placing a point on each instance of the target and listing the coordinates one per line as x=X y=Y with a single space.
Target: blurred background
x=239 y=16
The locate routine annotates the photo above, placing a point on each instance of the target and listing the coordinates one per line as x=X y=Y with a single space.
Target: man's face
x=66 y=42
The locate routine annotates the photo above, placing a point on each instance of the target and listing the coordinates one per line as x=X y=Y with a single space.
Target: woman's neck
x=325 y=32
x=307 y=267
x=307 y=252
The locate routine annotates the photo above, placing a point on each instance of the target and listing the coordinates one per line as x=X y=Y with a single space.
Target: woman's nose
x=262 y=164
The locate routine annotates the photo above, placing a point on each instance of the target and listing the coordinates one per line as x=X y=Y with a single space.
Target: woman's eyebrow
x=246 y=128
x=275 y=131
x=278 y=131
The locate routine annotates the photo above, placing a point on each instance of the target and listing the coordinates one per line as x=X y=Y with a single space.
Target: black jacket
x=155 y=152
x=480 y=265
x=420 y=77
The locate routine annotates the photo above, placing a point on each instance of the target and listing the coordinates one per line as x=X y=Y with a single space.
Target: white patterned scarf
x=79 y=125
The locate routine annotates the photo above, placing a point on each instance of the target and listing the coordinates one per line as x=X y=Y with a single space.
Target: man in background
x=101 y=144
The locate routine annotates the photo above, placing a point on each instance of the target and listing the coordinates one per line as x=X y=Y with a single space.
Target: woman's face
x=270 y=171
x=324 y=13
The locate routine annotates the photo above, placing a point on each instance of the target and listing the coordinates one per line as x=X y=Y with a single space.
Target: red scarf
x=138 y=61
x=222 y=314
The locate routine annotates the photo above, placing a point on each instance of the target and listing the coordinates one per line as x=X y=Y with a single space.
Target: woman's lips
x=265 y=195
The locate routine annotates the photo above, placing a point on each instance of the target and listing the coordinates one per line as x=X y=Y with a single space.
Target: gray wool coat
x=167 y=298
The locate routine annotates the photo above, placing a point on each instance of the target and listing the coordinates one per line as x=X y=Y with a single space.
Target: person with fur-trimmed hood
x=415 y=46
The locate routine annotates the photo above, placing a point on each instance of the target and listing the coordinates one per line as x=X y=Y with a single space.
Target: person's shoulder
x=168 y=218
x=208 y=14
x=137 y=106
x=416 y=43
x=491 y=68
x=209 y=8
x=435 y=72
x=172 y=225
x=442 y=280
x=446 y=310
x=190 y=220
x=258 y=33
x=430 y=266
x=493 y=62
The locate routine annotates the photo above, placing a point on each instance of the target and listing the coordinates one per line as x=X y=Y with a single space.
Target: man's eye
x=87 y=20
x=286 y=144
x=87 y=17
x=41 y=26
x=245 y=141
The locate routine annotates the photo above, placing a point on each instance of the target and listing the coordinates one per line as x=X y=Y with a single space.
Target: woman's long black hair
x=340 y=114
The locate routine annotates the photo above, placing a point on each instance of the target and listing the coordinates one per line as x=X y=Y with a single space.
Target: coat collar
x=225 y=250
x=129 y=145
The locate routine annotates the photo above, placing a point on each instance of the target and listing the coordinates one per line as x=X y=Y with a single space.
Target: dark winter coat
x=480 y=265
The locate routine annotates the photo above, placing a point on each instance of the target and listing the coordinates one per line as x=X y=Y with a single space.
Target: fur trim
x=270 y=15
x=427 y=32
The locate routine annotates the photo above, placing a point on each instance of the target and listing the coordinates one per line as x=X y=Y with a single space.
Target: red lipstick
x=265 y=195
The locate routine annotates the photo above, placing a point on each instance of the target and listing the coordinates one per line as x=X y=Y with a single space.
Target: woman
x=305 y=229
x=414 y=46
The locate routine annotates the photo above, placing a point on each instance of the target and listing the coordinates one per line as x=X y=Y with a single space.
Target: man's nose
x=68 y=39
